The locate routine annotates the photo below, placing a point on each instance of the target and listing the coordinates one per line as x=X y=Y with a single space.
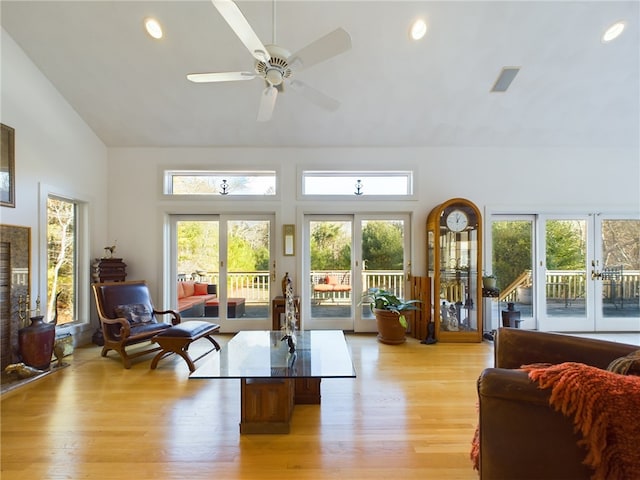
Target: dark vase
x=511 y=317
x=36 y=343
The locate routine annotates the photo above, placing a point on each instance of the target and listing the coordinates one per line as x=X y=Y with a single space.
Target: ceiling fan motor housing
x=275 y=71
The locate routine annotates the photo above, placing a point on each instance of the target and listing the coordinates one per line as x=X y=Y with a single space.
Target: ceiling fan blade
x=234 y=17
x=322 y=49
x=267 y=103
x=314 y=96
x=220 y=77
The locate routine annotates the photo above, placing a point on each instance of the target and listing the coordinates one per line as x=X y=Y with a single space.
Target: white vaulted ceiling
x=572 y=89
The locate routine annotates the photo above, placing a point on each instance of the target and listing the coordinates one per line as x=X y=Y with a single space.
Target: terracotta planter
x=390 y=331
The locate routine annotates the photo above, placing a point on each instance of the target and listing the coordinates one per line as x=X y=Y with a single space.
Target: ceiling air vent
x=505 y=78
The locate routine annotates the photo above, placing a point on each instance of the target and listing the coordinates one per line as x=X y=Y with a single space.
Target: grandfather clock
x=454 y=262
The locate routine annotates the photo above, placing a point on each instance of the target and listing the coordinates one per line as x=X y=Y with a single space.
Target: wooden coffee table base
x=267 y=403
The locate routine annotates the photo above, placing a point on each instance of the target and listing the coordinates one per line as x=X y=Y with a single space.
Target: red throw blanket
x=605 y=408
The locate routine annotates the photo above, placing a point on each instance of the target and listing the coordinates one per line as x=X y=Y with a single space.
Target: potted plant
x=389 y=312
x=489 y=281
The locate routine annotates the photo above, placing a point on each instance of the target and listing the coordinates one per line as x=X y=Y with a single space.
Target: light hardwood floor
x=410 y=413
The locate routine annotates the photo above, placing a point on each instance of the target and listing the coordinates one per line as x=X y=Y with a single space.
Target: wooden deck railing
x=570 y=285
x=564 y=285
x=254 y=286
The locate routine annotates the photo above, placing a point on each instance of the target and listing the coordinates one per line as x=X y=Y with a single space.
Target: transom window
x=204 y=182
x=395 y=183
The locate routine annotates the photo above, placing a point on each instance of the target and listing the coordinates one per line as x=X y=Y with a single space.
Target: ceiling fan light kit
x=275 y=65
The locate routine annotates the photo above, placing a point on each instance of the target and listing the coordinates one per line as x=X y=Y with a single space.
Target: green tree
x=382 y=245
x=249 y=246
x=566 y=245
x=330 y=246
x=242 y=258
x=511 y=250
x=197 y=246
x=512 y=247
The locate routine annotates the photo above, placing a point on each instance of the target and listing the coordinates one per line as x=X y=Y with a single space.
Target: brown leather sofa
x=521 y=436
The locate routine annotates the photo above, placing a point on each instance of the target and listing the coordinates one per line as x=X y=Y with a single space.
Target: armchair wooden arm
x=175 y=316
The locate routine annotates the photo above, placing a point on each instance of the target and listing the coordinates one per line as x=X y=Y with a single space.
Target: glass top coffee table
x=272 y=379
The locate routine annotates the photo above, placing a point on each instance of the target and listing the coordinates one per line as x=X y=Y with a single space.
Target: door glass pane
x=512 y=264
x=620 y=268
x=198 y=258
x=566 y=259
x=382 y=258
x=330 y=256
x=248 y=268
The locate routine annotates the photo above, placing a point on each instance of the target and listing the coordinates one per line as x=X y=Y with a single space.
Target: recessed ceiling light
x=418 y=29
x=152 y=27
x=613 y=32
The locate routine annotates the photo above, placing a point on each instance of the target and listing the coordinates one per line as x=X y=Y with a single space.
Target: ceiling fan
x=274 y=64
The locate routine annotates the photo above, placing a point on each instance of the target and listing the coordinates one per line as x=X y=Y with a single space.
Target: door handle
x=595 y=275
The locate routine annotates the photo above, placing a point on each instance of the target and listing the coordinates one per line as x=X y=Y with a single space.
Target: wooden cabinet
x=266 y=404
x=454 y=262
x=108 y=270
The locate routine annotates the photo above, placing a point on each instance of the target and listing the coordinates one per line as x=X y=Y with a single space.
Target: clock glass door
x=458 y=281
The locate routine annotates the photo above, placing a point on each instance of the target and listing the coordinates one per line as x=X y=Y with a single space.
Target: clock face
x=457 y=221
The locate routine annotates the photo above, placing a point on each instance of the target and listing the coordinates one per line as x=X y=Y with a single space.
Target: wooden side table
x=278 y=308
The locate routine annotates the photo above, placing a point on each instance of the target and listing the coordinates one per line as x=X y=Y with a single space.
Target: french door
x=234 y=254
x=344 y=255
x=599 y=291
x=569 y=272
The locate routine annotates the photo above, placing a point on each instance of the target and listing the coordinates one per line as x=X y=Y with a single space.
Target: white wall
x=517 y=180
x=54 y=147
x=54 y=151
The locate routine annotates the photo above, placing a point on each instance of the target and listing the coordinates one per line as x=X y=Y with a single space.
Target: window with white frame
x=370 y=183
x=62 y=259
x=208 y=182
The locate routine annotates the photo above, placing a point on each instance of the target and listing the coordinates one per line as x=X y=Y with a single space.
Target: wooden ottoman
x=178 y=338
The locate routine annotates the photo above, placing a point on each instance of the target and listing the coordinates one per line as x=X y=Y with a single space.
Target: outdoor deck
x=556 y=308
x=564 y=292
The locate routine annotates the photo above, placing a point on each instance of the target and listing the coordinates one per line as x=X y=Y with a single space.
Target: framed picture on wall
x=7 y=167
